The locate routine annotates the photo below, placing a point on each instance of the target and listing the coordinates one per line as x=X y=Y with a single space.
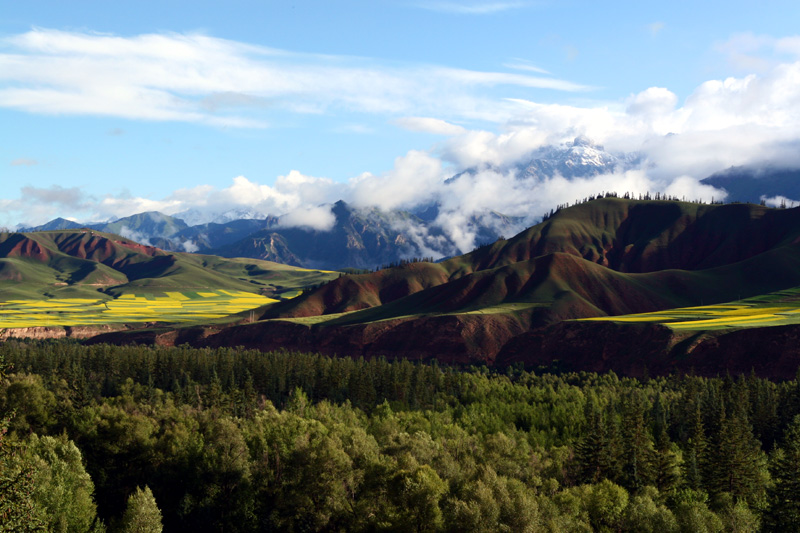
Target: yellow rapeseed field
x=168 y=307
x=747 y=313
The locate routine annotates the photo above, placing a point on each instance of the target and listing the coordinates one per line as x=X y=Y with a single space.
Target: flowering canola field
x=170 y=307
x=775 y=309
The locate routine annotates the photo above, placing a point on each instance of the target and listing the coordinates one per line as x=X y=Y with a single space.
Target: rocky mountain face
x=143 y=227
x=359 y=238
x=55 y=225
x=364 y=238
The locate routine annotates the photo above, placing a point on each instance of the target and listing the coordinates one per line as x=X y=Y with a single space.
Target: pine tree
x=737 y=465
x=665 y=471
x=784 y=496
x=695 y=457
x=636 y=444
x=597 y=454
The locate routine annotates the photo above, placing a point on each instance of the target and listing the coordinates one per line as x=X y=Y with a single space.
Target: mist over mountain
x=357 y=238
x=754 y=184
x=195 y=216
x=418 y=209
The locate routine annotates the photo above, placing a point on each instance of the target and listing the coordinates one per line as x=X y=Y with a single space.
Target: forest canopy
x=114 y=438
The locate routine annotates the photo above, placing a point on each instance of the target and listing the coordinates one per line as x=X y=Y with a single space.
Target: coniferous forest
x=132 y=438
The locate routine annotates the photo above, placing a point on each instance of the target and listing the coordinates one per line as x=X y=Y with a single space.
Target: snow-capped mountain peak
x=578 y=159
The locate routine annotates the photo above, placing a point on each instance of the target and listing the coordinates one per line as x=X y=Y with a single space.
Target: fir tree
x=784 y=497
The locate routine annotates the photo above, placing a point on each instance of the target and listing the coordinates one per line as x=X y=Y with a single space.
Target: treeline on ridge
x=238 y=440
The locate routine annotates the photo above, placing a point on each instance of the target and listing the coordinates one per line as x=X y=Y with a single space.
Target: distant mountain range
x=360 y=237
x=367 y=237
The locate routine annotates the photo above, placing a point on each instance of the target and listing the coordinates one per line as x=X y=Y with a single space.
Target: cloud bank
x=747 y=120
x=202 y=79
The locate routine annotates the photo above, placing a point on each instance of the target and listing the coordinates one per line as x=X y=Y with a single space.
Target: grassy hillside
x=780 y=308
x=92 y=264
x=626 y=236
x=646 y=236
x=514 y=301
x=604 y=258
x=561 y=286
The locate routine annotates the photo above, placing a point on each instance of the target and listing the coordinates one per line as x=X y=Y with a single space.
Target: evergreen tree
x=694 y=458
x=784 y=497
x=597 y=454
x=636 y=445
x=738 y=464
x=664 y=467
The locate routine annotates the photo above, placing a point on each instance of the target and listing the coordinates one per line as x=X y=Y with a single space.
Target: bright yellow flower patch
x=129 y=308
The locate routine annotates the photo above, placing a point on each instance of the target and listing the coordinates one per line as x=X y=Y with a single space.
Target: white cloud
x=731 y=121
x=125 y=205
x=654 y=101
x=414 y=178
x=522 y=64
x=690 y=189
x=189 y=246
x=134 y=235
x=746 y=120
x=70 y=197
x=477 y=148
x=320 y=218
x=289 y=192
x=429 y=125
x=198 y=78
x=780 y=201
x=753 y=53
x=24 y=161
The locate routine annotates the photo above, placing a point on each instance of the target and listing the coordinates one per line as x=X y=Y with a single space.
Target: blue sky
x=110 y=108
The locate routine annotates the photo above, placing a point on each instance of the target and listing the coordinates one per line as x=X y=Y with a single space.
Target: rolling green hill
x=625 y=236
x=515 y=300
x=606 y=257
x=87 y=263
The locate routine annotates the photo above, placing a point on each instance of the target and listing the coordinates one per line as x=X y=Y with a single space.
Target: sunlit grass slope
x=85 y=277
x=774 y=309
x=80 y=262
x=625 y=236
